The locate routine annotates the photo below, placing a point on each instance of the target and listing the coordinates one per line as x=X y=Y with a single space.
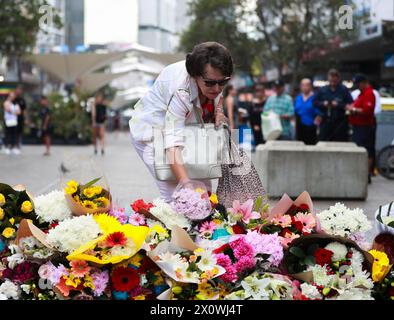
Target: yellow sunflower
x=89 y=204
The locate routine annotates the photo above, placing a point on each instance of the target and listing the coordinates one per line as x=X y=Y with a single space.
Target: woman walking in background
x=99 y=117
x=257 y=108
x=11 y=113
x=307 y=113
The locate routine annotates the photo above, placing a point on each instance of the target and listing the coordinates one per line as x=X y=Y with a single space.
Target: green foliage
x=70 y=121
x=216 y=20
x=20 y=25
x=281 y=33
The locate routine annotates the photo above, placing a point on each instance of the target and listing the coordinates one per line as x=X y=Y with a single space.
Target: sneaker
x=102 y=152
x=16 y=151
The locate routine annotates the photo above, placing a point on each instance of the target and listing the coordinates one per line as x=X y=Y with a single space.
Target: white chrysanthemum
x=52 y=207
x=342 y=221
x=339 y=250
x=9 y=290
x=355 y=294
x=362 y=279
x=320 y=276
x=71 y=234
x=127 y=250
x=357 y=261
x=164 y=212
x=310 y=291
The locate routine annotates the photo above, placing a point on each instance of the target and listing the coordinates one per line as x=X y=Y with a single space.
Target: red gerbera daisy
x=125 y=279
x=323 y=256
x=140 y=204
x=116 y=239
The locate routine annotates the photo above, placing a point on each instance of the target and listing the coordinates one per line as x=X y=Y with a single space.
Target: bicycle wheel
x=385 y=162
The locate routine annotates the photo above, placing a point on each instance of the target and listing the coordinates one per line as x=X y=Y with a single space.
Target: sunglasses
x=212 y=83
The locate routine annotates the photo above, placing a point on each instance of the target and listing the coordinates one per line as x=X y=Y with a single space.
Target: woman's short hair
x=213 y=53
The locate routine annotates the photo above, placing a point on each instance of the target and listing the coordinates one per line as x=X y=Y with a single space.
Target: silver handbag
x=202 y=154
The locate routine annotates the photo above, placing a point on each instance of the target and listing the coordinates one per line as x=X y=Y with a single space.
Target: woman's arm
x=7 y=106
x=175 y=119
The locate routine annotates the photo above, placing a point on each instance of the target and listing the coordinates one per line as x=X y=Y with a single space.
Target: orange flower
x=79 y=268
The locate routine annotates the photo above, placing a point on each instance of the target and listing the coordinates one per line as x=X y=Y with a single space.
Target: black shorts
x=363 y=136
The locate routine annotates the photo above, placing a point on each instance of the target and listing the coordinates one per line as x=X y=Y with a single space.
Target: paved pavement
x=126 y=174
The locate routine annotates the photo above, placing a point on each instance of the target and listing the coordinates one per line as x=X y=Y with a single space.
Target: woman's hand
x=220 y=119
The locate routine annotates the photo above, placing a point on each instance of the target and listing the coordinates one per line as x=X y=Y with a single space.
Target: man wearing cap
x=362 y=118
x=281 y=104
x=332 y=101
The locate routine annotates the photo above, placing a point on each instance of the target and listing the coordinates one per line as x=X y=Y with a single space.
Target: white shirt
x=167 y=105
x=378 y=104
x=11 y=116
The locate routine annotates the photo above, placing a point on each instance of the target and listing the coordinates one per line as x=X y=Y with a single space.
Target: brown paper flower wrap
x=78 y=210
x=322 y=240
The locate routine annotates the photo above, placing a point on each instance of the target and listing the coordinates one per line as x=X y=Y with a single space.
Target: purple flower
x=100 y=280
x=266 y=244
x=119 y=214
x=57 y=274
x=191 y=204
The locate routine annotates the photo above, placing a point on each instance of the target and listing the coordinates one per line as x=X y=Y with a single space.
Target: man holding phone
x=332 y=101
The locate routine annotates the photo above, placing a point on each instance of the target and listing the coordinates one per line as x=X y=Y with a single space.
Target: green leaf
x=297 y=252
x=391 y=224
x=258 y=204
x=310 y=260
x=91 y=183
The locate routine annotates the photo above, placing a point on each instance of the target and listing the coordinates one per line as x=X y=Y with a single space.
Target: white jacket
x=167 y=105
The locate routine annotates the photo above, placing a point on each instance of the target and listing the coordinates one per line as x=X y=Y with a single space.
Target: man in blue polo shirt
x=332 y=101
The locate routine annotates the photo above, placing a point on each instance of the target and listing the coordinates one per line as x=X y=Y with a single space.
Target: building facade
x=74 y=24
x=160 y=23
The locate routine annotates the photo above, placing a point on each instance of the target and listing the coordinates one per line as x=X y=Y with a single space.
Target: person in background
x=20 y=100
x=244 y=106
x=46 y=125
x=362 y=118
x=11 y=113
x=378 y=109
x=229 y=95
x=99 y=117
x=257 y=108
x=307 y=113
x=282 y=104
x=332 y=100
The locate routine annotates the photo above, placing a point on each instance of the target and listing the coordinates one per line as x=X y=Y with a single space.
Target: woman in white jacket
x=198 y=83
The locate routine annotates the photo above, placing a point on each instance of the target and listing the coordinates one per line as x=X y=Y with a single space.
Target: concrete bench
x=328 y=170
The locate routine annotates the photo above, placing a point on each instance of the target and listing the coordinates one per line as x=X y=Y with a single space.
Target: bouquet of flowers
x=117 y=242
x=20 y=277
x=267 y=286
x=87 y=198
x=237 y=258
x=77 y=281
x=15 y=206
x=341 y=221
x=52 y=207
x=290 y=220
x=385 y=218
x=137 y=279
x=195 y=204
x=331 y=267
x=186 y=266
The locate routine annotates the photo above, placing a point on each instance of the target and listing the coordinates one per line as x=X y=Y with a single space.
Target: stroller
x=385 y=161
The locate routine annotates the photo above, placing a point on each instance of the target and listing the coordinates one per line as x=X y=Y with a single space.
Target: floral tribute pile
x=75 y=244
